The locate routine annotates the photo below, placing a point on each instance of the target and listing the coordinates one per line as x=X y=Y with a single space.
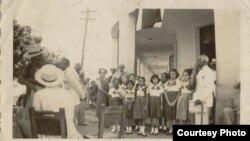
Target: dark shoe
x=139 y=133
x=83 y=124
x=167 y=130
x=170 y=132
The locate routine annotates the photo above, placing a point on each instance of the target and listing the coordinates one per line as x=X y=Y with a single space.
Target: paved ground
x=93 y=124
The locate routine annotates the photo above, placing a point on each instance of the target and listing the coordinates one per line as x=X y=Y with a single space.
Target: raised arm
x=74 y=81
x=22 y=80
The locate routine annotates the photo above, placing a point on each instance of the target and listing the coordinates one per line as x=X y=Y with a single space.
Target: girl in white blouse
x=155 y=110
x=116 y=95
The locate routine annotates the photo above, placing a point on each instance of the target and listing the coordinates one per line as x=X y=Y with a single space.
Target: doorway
x=207 y=42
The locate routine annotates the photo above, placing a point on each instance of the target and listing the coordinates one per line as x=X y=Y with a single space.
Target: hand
x=198 y=102
x=146 y=108
x=15 y=109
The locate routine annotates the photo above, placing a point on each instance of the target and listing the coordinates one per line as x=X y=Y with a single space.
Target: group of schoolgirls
x=164 y=101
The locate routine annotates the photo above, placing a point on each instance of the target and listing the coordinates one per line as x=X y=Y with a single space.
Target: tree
x=22 y=39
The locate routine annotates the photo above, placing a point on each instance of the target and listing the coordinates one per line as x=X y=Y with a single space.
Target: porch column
x=228 y=42
x=245 y=68
x=115 y=49
x=127 y=42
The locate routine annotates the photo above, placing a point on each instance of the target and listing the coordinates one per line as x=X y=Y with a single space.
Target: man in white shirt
x=53 y=97
x=204 y=77
x=73 y=79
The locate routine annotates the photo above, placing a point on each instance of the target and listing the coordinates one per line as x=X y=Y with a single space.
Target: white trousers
x=206 y=114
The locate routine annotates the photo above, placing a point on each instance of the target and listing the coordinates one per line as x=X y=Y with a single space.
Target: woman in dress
x=183 y=100
x=172 y=91
x=102 y=93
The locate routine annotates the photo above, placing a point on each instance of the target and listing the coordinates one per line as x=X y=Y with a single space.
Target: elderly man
x=202 y=80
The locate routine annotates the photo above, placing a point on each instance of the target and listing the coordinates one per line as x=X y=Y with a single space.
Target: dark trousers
x=81 y=112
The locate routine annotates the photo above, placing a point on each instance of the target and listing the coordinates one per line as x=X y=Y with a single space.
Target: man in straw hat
x=53 y=97
x=202 y=79
x=27 y=77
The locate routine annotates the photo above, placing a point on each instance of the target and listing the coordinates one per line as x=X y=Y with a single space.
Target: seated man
x=231 y=113
x=53 y=97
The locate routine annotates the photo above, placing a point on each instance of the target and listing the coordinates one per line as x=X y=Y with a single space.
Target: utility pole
x=86 y=19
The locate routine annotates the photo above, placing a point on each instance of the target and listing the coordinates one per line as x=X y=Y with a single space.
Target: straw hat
x=33 y=50
x=49 y=75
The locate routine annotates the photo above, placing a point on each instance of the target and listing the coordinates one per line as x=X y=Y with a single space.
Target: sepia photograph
x=89 y=69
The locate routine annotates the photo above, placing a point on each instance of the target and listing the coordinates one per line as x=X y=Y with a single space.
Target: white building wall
x=187 y=39
x=245 y=65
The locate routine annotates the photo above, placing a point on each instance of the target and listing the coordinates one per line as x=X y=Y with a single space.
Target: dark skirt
x=164 y=105
x=139 y=108
x=102 y=98
x=129 y=109
x=155 y=107
x=170 y=113
x=182 y=107
x=116 y=101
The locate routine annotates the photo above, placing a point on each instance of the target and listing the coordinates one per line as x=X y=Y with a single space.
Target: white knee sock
x=152 y=129
x=127 y=129
x=118 y=127
x=130 y=129
x=142 y=129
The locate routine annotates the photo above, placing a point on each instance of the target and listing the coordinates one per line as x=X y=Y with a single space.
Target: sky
x=58 y=22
